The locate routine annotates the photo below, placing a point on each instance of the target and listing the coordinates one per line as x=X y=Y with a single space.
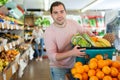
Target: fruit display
x=84 y=40
x=97 y=69
x=6 y=57
x=110 y=37
x=9 y=37
x=79 y=40
x=23 y=46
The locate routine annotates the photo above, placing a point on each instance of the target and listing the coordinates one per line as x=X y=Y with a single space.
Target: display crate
x=92 y=52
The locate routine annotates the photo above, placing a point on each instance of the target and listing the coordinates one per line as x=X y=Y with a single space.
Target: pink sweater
x=58 y=40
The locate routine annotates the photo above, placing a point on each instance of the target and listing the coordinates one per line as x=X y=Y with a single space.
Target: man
x=58 y=42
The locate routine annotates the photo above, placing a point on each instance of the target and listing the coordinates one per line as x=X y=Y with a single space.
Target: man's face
x=59 y=14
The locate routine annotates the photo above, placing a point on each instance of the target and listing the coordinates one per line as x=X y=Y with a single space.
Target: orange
x=107 y=78
x=109 y=62
x=106 y=69
x=86 y=68
x=93 y=65
x=79 y=76
x=118 y=76
x=77 y=64
x=84 y=76
x=101 y=63
x=118 y=69
x=116 y=64
x=99 y=57
x=93 y=59
x=114 y=72
x=94 y=38
x=100 y=74
x=114 y=79
x=93 y=78
x=91 y=72
x=98 y=69
x=80 y=69
x=73 y=71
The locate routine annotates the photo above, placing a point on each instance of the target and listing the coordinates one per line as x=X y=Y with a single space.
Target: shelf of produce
x=10 y=26
x=11 y=44
x=9 y=71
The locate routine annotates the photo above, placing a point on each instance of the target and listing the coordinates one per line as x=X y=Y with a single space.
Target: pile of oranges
x=97 y=69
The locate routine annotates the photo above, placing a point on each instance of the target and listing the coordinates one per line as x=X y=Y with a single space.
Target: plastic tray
x=92 y=52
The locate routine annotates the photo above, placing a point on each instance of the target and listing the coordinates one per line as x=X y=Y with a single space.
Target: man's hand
x=77 y=51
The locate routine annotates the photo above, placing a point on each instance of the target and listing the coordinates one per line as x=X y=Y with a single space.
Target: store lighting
x=90 y=5
x=46 y=5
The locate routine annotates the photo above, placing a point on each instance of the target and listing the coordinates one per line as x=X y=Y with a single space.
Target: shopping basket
x=106 y=52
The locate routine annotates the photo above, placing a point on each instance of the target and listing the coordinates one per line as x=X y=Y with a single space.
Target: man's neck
x=60 y=25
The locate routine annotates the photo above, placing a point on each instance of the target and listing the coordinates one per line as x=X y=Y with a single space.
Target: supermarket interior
x=28 y=53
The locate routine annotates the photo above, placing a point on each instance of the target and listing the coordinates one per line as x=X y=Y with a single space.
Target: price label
x=18 y=42
x=3 y=26
x=119 y=34
x=6 y=47
x=4 y=76
x=8 y=27
x=13 y=43
x=13 y=69
x=17 y=27
x=11 y=27
x=10 y=45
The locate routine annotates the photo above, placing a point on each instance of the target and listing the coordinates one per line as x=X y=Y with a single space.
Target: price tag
x=13 y=69
x=13 y=43
x=11 y=27
x=10 y=45
x=18 y=42
x=119 y=34
x=8 y=27
x=6 y=47
x=17 y=27
x=3 y=26
x=4 y=76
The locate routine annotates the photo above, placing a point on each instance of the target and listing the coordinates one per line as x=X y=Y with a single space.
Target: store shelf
x=11 y=44
x=8 y=26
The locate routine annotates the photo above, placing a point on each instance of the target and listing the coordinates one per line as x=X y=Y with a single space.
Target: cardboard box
x=1 y=77
x=8 y=73
x=117 y=58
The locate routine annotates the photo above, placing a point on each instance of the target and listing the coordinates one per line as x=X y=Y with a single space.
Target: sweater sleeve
x=50 y=45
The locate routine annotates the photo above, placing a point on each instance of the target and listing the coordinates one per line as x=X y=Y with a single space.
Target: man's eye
x=55 y=12
x=62 y=11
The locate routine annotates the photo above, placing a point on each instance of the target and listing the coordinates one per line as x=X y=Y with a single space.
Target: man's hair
x=57 y=3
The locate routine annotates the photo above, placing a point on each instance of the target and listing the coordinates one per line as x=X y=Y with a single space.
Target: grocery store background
x=100 y=16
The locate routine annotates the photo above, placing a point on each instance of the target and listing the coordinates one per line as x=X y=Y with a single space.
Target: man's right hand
x=77 y=51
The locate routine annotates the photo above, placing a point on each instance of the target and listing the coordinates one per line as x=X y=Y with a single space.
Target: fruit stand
x=13 y=49
x=97 y=64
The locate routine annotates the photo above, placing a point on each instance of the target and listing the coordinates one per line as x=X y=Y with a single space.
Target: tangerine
x=107 y=78
x=106 y=70
x=100 y=74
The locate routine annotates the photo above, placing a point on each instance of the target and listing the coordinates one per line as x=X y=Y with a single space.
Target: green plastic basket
x=92 y=52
